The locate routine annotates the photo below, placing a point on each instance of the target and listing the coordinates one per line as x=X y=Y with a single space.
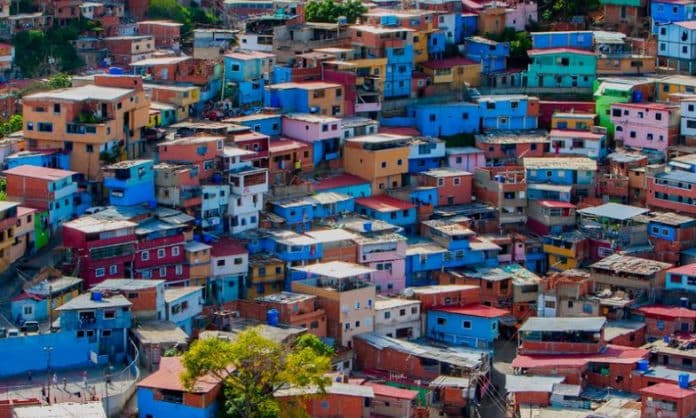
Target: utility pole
x=48 y=349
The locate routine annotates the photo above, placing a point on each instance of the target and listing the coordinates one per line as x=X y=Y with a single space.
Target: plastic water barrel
x=367 y=226
x=637 y=96
x=666 y=339
x=643 y=365
x=684 y=380
x=217 y=178
x=97 y=296
x=116 y=71
x=273 y=317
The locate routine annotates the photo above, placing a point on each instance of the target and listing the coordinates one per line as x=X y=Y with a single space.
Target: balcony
x=92 y=132
x=368 y=107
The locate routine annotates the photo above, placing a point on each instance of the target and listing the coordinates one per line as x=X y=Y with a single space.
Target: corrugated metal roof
x=519 y=383
x=614 y=211
x=592 y=324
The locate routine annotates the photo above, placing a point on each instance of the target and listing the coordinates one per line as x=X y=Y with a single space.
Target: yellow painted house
x=457 y=72
x=566 y=251
x=573 y=121
x=266 y=276
x=675 y=84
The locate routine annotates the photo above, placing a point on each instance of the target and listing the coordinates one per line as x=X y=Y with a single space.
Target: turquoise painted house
x=682 y=278
x=561 y=68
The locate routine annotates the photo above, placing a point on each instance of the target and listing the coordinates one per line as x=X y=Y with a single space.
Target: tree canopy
x=329 y=11
x=253 y=368
x=43 y=53
x=188 y=17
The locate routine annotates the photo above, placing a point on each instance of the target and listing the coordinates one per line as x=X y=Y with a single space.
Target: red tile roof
x=167 y=377
x=449 y=63
x=44 y=173
x=533 y=52
x=689 y=270
x=615 y=354
x=668 y=390
x=25 y=296
x=343 y=180
x=226 y=246
x=481 y=311
x=556 y=204
x=667 y=312
x=391 y=392
x=384 y=203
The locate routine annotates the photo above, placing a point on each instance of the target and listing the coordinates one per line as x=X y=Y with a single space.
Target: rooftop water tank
x=273 y=317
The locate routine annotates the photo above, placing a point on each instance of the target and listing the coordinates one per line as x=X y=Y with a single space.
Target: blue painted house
x=399 y=71
x=40 y=158
x=422 y=259
x=300 y=213
x=130 y=182
x=32 y=304
x=183 y=303
x=574 y=175
x=577 y=39
x=162 y=394
x=425 y=153
x=491 y=54
x=436 y=44
x=265 y=123
x=463 y=247
x=390 y=210
x=664 y=12
x=245 y=76
x=472 y=326
x=508 y=112
x=44 y=189
x=346 y=184
x=445 y=119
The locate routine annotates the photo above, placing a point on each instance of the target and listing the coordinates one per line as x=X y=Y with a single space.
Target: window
x=145 y=255
x=45 y=127
x=221 y=263
x=30 y=126
x=465 y=116
x=357 y=324
x=414 y=310
x=28 y=310
x=100 y=272
x=384 y=164
x=179 y=270
x=161 y=253
x=660 y=324
x=175 y=251
x=466 y=324
x=432 y=117
x=387 y=315
x=109 y=314
x=235 y=67
x=89 y=148
x=456 y=181
x=441 y=321
x=162 y=271
x=113 y=269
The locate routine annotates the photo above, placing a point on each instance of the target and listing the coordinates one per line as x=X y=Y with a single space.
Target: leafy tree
x=520 y=43
x=171 y=10
x=58 y=81
x=3 y=189
x=44 y=52
x=200 y=16
x=329 y=11
x=14 y=124
x=253 y=368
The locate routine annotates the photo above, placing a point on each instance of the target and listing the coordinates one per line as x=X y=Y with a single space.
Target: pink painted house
x=386 y=253
x=322 y=132
x=646 y=126
x=466 y=158
x=200 y=151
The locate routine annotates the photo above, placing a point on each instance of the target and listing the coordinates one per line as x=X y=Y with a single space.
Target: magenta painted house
x=385 y=253
x=322 y=132
x=646 y=126
x=466 y=158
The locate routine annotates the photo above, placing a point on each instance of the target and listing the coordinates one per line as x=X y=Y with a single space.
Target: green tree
x=329 y=11
x=253 y=368
x=58 y=81
x=171 y=10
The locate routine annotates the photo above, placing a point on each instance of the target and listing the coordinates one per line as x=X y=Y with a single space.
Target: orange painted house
x=200 y=151
x=105 y=117
x=381 y=159
x=454 y=187
x=667 y=400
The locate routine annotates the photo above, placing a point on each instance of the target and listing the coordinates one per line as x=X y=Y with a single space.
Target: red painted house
x=100 y=248
x=160 y=252
x=665 y=400
x=668 y=320
x=453 y=186
x=200 y=151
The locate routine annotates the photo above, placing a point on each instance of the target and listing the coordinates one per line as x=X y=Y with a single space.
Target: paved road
x=492 y=405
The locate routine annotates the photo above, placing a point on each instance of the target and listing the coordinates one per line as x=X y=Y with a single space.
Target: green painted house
x=610 y=90
x=563 y=68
